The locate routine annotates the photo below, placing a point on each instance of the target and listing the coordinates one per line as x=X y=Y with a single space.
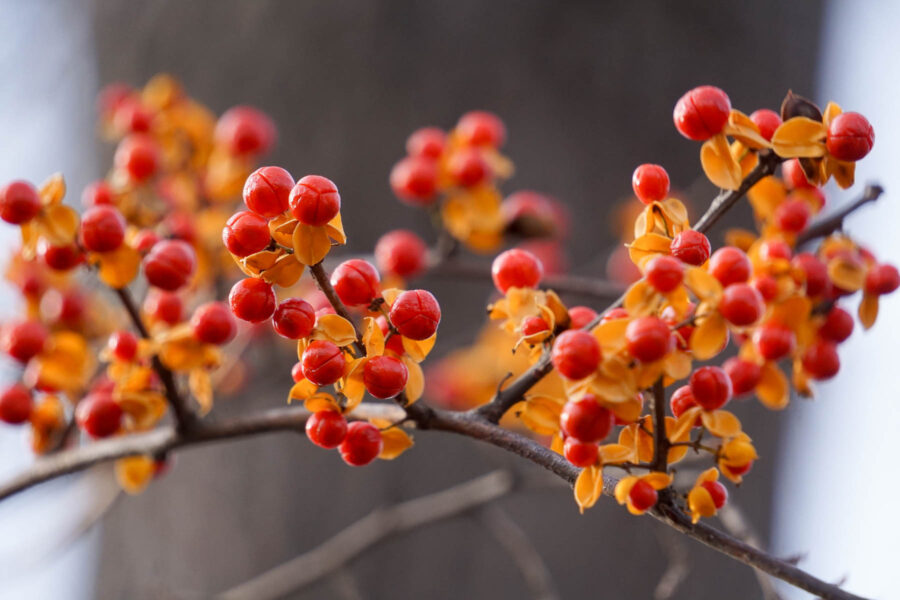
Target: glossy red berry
x=576 y=354
x=244 y=130
x=664 y=273
x=170 y=264
x=384 y=376
x=138 y=156
x=181 y=226
x=774 y=341
x=814 y=271
x=468 y=167
x=650 y=183
x=730 y=265
x=717 y=492
x=516 y=268
x=767 y=286
x=681 y=400
x=267 y=191
x=362 y=445
x=614 y=314
x=246 y=233
x=585 y=420
x=356 y=282
x=792 y=215
x=767 y=121
x=414 y=180
x=741 y=304
x=427 y=142
x=642 y=495
x=252 y=300
x=99 y=415
x=737 y=470
x=297 y=372
x=123 y=345
x=821 y=360
x=744 y=374
x=164 y=306
x=315 y=200
x=702 y=113
x=882 y=279
x=97 y=193
x=579 y=316
x=23 y=339
x=394 y=343
x=19 y=202
x=534 y=325
x=102 y=229
x=838 y=325
x=15 y=404
x=59 y=258
x=294 y=318
x=144 y=240
x=691 y=247
x=326 y=428
x=794 y=176
x=416 y=314
x=850 y=136
x=213 y=323
x=481 y=128
x=648 y=339
x=775 y=249
x=579 y=453
x=711 y=387
x=402 y=253
x=323 y=362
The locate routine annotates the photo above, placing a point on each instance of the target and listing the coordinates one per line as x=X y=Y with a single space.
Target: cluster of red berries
x=358 y=442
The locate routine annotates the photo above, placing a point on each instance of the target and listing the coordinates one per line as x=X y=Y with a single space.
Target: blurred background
x=586 y=90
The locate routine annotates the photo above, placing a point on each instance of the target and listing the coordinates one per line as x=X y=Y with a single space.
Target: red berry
x=882 y=279
x=821 y=360
x=62 y=307
x=297 y=372
x=744 y=374
x=138 y=156
x=681 y=400
x=614 y=314
x=579 y=453
x=384 y=376
x=102 y=229
x=741 y=304
x=19 y=202
x=252 y=300
x=394 y=343
x=326 y=428
x=579 y=316
x=164 y=306
x=213 y=323
x=702 y=113
x=267 y=191
x=792 y=215
x=323 y=362
x=838 y=325
x=245 y=130
x=59 y=258
x=144 y=240
x=767 y=286
x=468 y=168
x=181 y=226
x=576 y=354
x=99 y=415
x=815 y=273
x=402 y=253
x=650 y=183
x=850 y=136
x=362 y=445
x=585 y=420
x=427 y=142
x=246 y=233
x=717 y=491
x=123 y=345
x=481 y=128
x=767 y=121
x=15 y=404
x=416 y=314
x=97 y=193
x=737 y=470
x=534 y=325
x=294 y=318
x=691 y=247
x=775 y=249
x=711 y=387
x=315 y=200
x=794 y=176
x=356 y=282
x=24 y=339
x=620 y=267
x=170 y=264
x=131 y=116
x=648 y=339
x=414 y=180
x=730 y=265
x=516 y=268
x=664 y=273
x=642 y=495
x=774 y=341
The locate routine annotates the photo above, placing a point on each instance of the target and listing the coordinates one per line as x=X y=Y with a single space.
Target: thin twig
x=735 y=522
x=660 y=439
x=835 y=221
x=321 y=277
x=768 y=161
x=678 y=566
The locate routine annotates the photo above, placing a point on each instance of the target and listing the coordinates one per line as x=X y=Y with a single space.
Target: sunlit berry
x=15 y=404
x=170 y=264
x=576 y=354
x=314 y=200
x=144 y=240
x=244 y=130
x=681 y=400
x=468 y=167
x=821 y=360
x=246 y=233
x=691 y=247
x=579 y=316
x=711 y=387
x=252 y=300
x=297 y=372
x=394 y=343
x=138 y=156
x=838 y=325
x=767 y=121
x=642 y=495
x=102 y=229
x=650 y=183
x=163 y=306
x=267 y=191
x=579 y=453
x=741 y=304
x=356 y=282
x=23 y=339
x=414 y=180
x=19 y=202
x=744 y=374
x=213 y=323
x=767 y=286
x=123 y=345
x=702 y=113
x=613 y=314
x=294 y=318
x=65 y=307
x=131 y=116
x=717 y=492
x=362 y=444
x=59 y=258
x=730 y=265
x=402 y=253
x=585 y=420
x=384 y=376
x=416 y=314
x=792 y=215
x=774 y=341
x=534 y=325
x=427 y=142
x=850 y=136
x=481 y=128
x=774 y=249
x=181 y=226
x=882 y=279
x=648 y=339
x=326 y=428
x=97 y=193
x=664 y=273
x=99 y=415
x=815 y=273
x=323 y=362
x=516 y=268
x=794 y=175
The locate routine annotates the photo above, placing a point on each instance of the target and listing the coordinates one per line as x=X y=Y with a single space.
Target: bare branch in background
x=678 y=567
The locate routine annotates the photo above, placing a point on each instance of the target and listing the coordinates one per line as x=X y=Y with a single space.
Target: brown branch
x=768 y=161
x=321 y=277
x=660 y=439
x=735 y=523
x=835 y=221
x=678 y=565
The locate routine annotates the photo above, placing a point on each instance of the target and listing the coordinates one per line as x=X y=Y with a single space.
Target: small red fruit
x=362 y=445
x=123 y=345
x=614 y=314
x=838 y=325
x=882 y=279
x=850 y=137
x=164 y=306
x=775 y=249
x=59 y=258
x=534 y=325
x=741 y=304
x=246 y=233
x=102 y=229
x=767 y=121
x=585 y=420
x=315 y=200
x=794 y=175
x=579 y=316
x=414 y=180
x=815 y=273
x=326 y=428
x=650 y=183
x=664 y=273
x=744 y=374
x=576 y=354
x=767 y=286
x=792 y=215
x=427 y=142
x=297 y=372
x=19 y=202
x=323 y=362
x=711 y=387
x=579 y=453
x=267 y=191
x=642 y=495
x=717 y=491
x=648 y=339
x=416 y=314
x=356 y=282
x=402 y=253
x=138 y=156
x=213 y=323
x=821 y=360
x=681 y=400
x=245 y=130
x=691 y=247
x=144 y=240
x=170 y=264
x=774 y=341
x=481 y=128
x=15 y=404
x=516 y=268
x=730 y=265
x=468 y=168
x=384 y=376
x=99 y=415
x=702 y=113
x=24 y=339
x=252 y=300
x=97 y=193
x=294 y=318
